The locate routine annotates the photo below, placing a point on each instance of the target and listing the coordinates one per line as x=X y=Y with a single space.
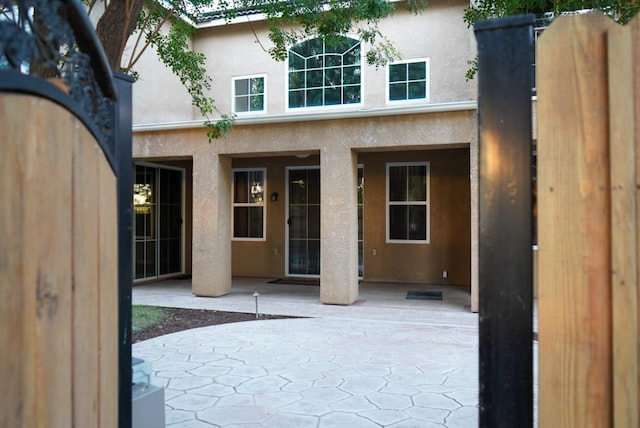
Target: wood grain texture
x=624 y=100
x=14 y=408
x=574 y=224
x=85 y=265
x=58 y=270
x=108 y=295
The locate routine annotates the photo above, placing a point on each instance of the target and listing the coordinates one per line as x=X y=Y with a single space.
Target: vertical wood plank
x=42 y=200
x=48 y=237
x=623 y=58
x=85 y=268
x=13 y=406
x=636 y=67
x=108 y=295
x=574 y=224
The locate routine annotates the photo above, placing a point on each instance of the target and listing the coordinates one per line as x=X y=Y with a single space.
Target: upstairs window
x=248 y=94
x=324 y=74
x=248 y=203
x=408 y=202
x=408 y=80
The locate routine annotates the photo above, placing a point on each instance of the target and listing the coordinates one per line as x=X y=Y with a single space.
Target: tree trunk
x=115 y=26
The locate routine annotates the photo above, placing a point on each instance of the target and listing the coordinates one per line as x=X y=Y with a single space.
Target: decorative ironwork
x=37 y=39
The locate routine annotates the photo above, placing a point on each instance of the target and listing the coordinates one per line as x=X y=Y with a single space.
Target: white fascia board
x=315 y=116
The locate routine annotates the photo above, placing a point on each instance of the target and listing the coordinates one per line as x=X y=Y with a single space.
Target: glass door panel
x=144 y=208
x=360 y=221
x=170 y=235
x=304 y=222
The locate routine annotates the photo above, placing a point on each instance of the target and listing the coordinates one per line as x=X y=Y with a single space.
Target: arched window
x=323 y=73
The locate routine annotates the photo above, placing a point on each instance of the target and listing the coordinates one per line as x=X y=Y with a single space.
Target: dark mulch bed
x=183 y=319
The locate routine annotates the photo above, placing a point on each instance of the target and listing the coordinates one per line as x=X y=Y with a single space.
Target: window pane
x=297 y=187
x=417 y=177
x=417 y=71
x=296 y=99
x=139 y=260
x=333 y=60
x=397 y=183
x=297 y=222
x=314 y=97
x=314 y=79
x=313 y=221
x=313 y=47
x=314 y=257
x=242 y=87
x=352 y=56
x=351 y=94
x=333 y=77
x=296 y=80
x=332 y=96
x=257 y=86
x=417 y=90
x=298 y=258
x=257 y=186
x=417 y=223
x=360 y=259
x=257 y=103
x=242 y=104
x=397 y=73
x=351 y=75
x=241 y=222
x=398 y=91
x=296 y=62
x=315 y=61
x=240 y=187
x=150 y=260
x=256 y=223
x=398 y=221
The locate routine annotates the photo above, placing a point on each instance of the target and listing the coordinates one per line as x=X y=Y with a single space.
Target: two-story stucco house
x=335 y=170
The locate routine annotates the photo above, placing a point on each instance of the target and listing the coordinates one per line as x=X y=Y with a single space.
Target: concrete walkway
x=383 y=362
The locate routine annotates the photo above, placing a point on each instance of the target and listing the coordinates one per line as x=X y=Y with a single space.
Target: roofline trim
x=315 y=116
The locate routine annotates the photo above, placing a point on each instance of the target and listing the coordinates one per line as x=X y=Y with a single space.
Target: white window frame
x=233 y=95
x=307 y=109
x=427 y=85
x=263 y=204
x=426 y=203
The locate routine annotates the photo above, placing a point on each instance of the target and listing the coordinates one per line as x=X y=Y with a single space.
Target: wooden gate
x=588 y=87
x=59 y=285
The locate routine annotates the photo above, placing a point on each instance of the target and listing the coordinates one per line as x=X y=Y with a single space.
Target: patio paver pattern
x=382 y=362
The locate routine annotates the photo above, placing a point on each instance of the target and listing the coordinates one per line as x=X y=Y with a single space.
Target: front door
x=303 y=221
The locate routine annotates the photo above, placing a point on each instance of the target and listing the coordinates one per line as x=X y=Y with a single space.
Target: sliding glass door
x=158 y=221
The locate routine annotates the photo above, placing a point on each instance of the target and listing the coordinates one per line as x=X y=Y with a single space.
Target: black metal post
x=505 y=268
x=123 y=122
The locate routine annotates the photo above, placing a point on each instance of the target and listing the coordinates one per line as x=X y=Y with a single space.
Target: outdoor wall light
x=274 y=196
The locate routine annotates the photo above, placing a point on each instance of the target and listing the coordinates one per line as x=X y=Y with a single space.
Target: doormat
x=424 y=295
x=296 y=281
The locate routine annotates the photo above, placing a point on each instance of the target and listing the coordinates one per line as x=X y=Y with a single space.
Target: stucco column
x=211 y=259
x=338 y=227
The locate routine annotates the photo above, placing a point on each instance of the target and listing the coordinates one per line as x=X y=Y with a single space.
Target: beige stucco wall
x=438 y=33
x=158 y=96
x=449 y=247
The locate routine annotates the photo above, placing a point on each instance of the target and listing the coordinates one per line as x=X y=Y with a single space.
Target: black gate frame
x=505 y=67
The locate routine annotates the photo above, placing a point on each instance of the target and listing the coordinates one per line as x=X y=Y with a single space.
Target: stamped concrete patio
x=384 y=361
